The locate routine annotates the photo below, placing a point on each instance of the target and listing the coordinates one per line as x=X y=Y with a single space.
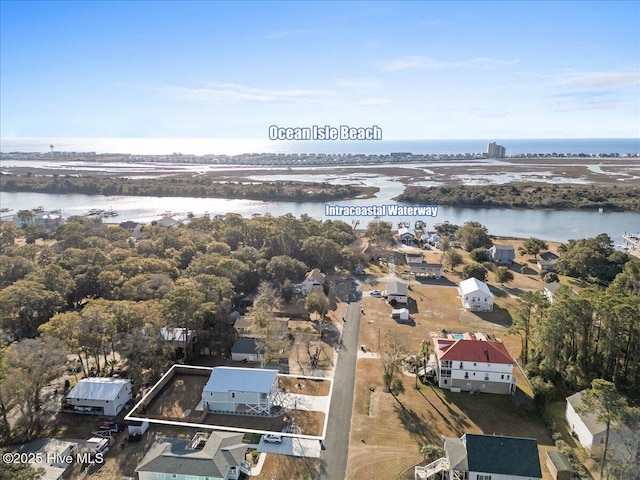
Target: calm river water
x=546 y=224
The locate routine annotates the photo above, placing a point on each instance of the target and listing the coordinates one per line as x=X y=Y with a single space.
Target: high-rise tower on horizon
x=496 y=151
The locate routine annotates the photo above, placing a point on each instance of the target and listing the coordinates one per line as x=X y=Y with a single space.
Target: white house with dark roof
x=623 y=444
x=98 y=396
x=503 y=254
x=468 y=364
x=240 y=390
x=486 y=457
x=405 y=235
x=547 y=262
x=246 y=350
x=210 y=456
x=313 y=279
x=397 y=291
x=475 y=295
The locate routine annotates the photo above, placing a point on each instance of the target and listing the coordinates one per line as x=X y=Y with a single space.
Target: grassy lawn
x=387 y=432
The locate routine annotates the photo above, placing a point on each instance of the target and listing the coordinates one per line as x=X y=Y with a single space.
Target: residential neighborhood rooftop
x=472 y=351
x=241 y=379
x=176 y=456
x=472 y=285
x=98 y=388
x=503 y=455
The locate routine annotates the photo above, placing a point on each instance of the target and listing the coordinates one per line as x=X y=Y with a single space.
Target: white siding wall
x=496 y=372
x=575 y=423
x=478 y=301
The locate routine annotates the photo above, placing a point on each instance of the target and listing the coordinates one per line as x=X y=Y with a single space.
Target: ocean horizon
x=202 y=146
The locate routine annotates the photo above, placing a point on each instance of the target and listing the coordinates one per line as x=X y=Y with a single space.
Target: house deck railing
x=427 y=471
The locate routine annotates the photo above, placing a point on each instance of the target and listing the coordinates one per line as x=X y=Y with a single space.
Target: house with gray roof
x=212 y=456
x=486 y=457
x=503 y=254
x=397 y=291
x=54 y=455
x=246 y=350
x=240 y=390
x=623 y=443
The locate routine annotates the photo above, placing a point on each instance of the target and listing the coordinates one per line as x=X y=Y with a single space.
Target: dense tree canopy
x=473 y=235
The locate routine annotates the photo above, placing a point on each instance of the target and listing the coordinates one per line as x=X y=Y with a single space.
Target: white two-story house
x=313 y=279
x=474 y=365
x=475 y=295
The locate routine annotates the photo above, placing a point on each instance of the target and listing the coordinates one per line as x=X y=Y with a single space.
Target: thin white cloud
x=418 y=62
x=599 y=79
x=235 y=92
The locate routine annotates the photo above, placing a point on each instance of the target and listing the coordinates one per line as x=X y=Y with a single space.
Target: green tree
x=31 y=364
x=321 y=252
x=480 y=255
x=392 y=355
x=282 y=268
x=268 y=341
x=530 y=308
x=25 y=305
x=380 y=233
x=431 y=452
x=533 y=246
x=452 y=258
x=473 y=235
x=608 y=405
x=316 y=303
x=182 y=308
x=503 y=275
x=475 y=270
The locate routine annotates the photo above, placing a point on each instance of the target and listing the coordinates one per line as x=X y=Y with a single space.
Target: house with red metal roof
x=471 y=362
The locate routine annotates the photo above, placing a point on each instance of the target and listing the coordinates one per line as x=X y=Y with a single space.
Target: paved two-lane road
x=333 y=461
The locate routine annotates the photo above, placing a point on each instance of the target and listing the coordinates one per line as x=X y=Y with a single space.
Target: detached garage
x=98 y=396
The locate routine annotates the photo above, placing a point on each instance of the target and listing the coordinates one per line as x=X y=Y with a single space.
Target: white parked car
x=375 y=293
x=272 y=438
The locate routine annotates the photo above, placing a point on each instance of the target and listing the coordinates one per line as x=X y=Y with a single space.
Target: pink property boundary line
x=230 y=429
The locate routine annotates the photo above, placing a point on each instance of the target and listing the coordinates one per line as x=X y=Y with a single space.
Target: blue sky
x=419 y=70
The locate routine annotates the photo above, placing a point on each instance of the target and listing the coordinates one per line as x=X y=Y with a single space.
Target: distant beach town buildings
x=496 y=151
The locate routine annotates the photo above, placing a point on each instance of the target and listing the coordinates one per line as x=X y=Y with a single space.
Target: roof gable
x=473 y=351
x=316 y=276
x=98 y=388
x=471 y=285
x=226 y=379
x=503 y=455
x=397 y=288
x=173 y=456
x=245 y=345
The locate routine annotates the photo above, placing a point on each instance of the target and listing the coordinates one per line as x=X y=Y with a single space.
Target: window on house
x=474 y=364
x=486 y=378
x=501 y=377
x=445 y=382
x=507 y=377
x=602 y=440
x=460 y=364
x=483 y=477
x=233 y=394
x=161 y=476
x=466 y=375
